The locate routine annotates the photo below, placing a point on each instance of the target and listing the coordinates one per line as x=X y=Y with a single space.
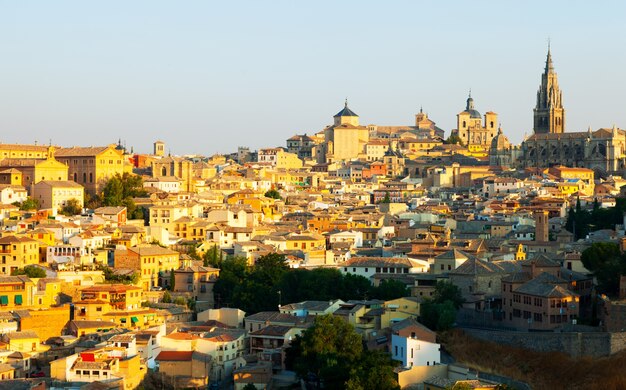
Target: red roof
x=175 y=356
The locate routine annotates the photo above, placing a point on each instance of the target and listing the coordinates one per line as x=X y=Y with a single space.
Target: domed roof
x=500 y=141
x=346 y=111
x=470 y=108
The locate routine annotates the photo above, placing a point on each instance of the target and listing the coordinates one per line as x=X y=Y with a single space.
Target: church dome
x=473 y=113
x=500 y=141
x=346 y=111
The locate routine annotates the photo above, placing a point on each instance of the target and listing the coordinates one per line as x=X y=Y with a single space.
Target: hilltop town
x=355 y=244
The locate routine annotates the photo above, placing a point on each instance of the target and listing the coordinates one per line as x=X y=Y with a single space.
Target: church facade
x=602 y=150
x=473 y=132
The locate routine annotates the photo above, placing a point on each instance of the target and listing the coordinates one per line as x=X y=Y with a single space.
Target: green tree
x=333 y=352
x=29 y=204
x=113 y=191
x=273 y=194
x=172 y=279
x=120 y=190
x=181 y=301
x=390 y=289
x=111 y=277
x=167 y=297
x=439 y=313
x=71 y=207
x=607 y=263
x=453 y=139
x=447 y=291
x=328 y=349
x=31 y=271
x=249 y=386
x=373 y=371
x=212 y=257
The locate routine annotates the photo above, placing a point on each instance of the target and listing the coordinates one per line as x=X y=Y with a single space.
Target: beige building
x=149 y=261
x=17 y=252
x=279 y=158
x=603 y=150
x=24 y=151
x=56 y=194
x=159 y=148
x=33 y=170
x=345 y=140
x=93 y=166
x=549 y=114
x=470 y=128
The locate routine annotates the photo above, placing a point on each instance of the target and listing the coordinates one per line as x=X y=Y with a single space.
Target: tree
x=453 y=139
x=31 y=271
x=29 y=204
x=167 y=297
x=328 y=349
x=607 y=263
x=113 y=191
x=332 y=352
x=439 y=313
x=71 y=207
x=447 y=291
x=249 y=386
x=111 y=277
x=273 y=194
x=120 y=190
x=373 y=371
x=212 y=258
x=390 y=289
x=172 y=279
x=181 y=301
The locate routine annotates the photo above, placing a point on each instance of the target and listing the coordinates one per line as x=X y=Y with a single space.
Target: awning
x=134 y=319
x=18 y=299
x=4 y=300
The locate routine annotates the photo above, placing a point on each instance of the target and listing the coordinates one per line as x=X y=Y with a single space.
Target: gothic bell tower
x=549 y=114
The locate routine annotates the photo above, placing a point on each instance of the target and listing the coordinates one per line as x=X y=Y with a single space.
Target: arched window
x=464 y=124
x=75 y=176
x=491 y=124
x=90 y=177
x=163 y=171
x=84 y=177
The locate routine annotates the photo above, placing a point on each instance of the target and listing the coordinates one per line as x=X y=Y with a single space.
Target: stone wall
x=575 y=344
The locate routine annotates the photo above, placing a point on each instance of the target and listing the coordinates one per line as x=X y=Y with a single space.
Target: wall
x=575 y=344
x=47 y=323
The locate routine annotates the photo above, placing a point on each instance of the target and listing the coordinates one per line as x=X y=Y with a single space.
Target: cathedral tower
x=549 y=114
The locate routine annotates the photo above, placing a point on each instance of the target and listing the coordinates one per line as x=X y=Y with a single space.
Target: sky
x=206 y=77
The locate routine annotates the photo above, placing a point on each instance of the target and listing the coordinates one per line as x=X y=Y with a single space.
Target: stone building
x=549 y=114
x=345 y=139
x=501 y=152
x=473 y=132
x=602 y=150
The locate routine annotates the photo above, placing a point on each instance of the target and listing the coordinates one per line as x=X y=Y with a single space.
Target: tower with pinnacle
x=549 y=114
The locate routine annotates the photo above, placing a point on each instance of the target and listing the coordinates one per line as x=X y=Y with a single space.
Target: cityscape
x=357 y=255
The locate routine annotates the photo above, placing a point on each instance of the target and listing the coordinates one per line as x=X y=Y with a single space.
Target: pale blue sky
x=206 y=77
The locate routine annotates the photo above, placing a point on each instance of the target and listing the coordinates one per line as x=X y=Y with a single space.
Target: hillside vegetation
x=540 y=370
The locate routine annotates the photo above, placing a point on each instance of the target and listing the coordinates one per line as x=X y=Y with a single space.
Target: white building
x=494 y=186
x=412 y=351
x=168 y=184
x=10 y=194
x=355 y=238
x=369 y=266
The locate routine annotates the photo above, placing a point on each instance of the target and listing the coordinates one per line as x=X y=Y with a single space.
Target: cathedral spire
x=549 y=66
